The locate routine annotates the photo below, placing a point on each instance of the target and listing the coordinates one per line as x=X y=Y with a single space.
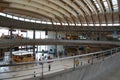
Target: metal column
x=56 y=45
x=34 y=44
x=10 y=46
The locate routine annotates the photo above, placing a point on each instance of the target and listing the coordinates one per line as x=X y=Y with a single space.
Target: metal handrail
x=17 y=42
x=91 y=60
x=46 y=61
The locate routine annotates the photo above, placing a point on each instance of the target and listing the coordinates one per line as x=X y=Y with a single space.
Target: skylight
x=9 y=16
x=115 y=5
x=87 y=3
x=49 y=22
x=27 y=20
x=22 y=19
x=2 y=14
x=114 y=2
x=15 y=17
x=43 y=22
x=38 y=21
x=106 y=5
x=97 y=5
x=32 y=20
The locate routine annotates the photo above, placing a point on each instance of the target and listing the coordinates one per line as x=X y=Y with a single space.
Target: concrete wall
x=87 y=72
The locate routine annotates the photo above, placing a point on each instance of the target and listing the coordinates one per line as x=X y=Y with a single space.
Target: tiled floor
x=25 y=71
x=31 y=70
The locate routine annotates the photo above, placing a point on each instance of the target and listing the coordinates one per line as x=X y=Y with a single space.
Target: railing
x=42 y=68
x=16 y=42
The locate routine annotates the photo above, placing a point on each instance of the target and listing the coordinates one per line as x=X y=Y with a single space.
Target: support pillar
x=56 y=46
x=100 y=37
x=10 y=59
x=26 y=38
x=34 y=44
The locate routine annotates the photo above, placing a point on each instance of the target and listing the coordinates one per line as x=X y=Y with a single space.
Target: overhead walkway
x=20 y=42
x=82 y=67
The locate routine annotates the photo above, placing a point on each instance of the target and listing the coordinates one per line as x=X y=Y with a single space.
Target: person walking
x=49 y=67
x=77 y=62
x=34 y=74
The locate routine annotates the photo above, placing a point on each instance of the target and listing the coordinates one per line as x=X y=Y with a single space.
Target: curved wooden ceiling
x=69 y=11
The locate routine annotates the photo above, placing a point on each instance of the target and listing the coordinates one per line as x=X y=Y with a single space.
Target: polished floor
x=32 y=70
x=110 y=75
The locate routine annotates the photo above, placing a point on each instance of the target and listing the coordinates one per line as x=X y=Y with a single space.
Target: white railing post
x=42 y=70
x=111 y=52
x=116 y=50
x=73 y=63
x=92 y=58
x=103 y=56
x=81 y=63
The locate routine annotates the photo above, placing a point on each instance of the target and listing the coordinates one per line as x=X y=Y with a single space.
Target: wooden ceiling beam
x=86 y=20
x=99 y=19
x=112 y=18
x=80 y=20
x=90 y=4
x=101 y=6
x=93 y=20
x=34 y=6
x=59 y=21
x=52 y=22
x=75 y=8
x=83 y=6
x=109 y=5
x=63 y=6
x=26 y=13
x=67 y=21
x=73 y=20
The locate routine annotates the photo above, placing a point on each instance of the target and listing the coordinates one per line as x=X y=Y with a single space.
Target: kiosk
x=22 y=56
